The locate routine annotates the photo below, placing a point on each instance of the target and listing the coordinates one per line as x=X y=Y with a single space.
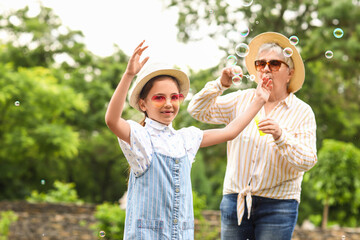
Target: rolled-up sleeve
x=299 y=146
x=209 y=107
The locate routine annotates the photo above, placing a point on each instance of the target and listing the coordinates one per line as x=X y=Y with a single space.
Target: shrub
x=6 y=219
x=111 y=221
x=63 y=193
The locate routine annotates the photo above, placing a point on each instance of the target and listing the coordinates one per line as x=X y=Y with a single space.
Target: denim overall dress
x=160 y=204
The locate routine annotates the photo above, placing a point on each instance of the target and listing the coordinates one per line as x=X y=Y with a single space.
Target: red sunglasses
x=160 y=100
x=274 y=65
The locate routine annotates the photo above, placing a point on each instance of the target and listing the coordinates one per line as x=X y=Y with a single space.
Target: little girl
x=159 y=201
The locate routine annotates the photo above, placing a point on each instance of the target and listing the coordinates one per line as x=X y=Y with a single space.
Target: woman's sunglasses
x=160 y=100
x=274 y=65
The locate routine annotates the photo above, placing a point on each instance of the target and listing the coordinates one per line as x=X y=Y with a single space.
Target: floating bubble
x=211 y=11
x=329 y=54
x=338 y=33
x=294 y=40
x=102 y=234
x=256 y=22
x=247 y=3
x=17 y=103
x=288 y=52
x=236 y=79
x=236 y=70
x=242 y=49
x=252 y=77
x=244 y=32
x=231 y=60
x=42 y=182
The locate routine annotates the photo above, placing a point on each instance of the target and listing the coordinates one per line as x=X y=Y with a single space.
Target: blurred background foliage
x=54 y=93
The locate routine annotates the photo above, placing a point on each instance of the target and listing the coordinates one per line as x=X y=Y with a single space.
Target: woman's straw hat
x=297 y=79
x=151 y=70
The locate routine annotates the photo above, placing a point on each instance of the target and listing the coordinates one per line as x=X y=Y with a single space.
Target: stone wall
x=63 y=222
x=50 y=221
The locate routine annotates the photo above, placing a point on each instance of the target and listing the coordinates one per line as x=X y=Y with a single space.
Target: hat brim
x=298 y=77
x=182 y=78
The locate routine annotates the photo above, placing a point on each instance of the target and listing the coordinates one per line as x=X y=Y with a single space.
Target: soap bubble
x=294 y=40
x=17 y=103
x=329 y=54
x=288 y=52
x=244 y=32
x=242 y=49
x=247 y=3
x=236 y=79
x=338 y=33
x=231 y=60
x=102 y=234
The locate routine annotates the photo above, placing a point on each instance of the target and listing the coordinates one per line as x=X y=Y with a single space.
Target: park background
x=55 y=87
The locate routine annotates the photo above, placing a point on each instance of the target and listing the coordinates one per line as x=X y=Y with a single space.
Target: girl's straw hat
x=151 y=70
x=297 y=79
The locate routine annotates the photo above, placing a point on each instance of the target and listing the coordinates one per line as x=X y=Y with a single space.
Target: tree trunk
x=325 y=215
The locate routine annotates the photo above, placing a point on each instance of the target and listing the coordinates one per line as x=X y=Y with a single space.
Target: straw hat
x=297 y=79
x=151 y=70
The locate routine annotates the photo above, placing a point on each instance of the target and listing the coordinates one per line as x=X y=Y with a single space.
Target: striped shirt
x=257 y=164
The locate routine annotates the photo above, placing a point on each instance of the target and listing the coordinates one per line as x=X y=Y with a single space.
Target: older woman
x=267 y=161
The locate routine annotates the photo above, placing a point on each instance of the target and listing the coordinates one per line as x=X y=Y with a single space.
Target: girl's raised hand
x=134 y=64
x=264 y=88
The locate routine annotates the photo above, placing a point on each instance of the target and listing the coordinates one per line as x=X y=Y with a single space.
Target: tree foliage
x=337 y=182
x=334 y=82
x=57 y=130
x=36 y=141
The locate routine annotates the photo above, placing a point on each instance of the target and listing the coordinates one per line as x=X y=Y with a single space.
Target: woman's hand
x=270 y=126
x=134 y=64
x=228 y=73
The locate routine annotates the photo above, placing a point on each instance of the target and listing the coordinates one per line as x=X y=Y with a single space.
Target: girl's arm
x=113 y=118
x=233 y=129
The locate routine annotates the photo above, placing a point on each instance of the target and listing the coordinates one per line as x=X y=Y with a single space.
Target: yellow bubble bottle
x=257 y=119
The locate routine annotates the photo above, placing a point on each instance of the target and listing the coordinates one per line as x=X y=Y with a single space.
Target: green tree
x=336 y=181
x=332 y=81
x=36 y=142
x=43 y=41
x=39 y=40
